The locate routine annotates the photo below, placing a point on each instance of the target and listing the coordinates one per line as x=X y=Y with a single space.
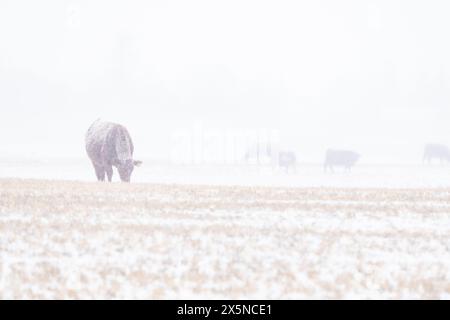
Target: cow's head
x=126 y=168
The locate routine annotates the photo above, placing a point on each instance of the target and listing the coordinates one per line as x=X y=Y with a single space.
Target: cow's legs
x=99 y=172
x=109 y=172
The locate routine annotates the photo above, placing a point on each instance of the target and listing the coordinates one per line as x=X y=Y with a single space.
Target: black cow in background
x=107 y=145
x=340 y=158
x=287 y=160
x=436 y=151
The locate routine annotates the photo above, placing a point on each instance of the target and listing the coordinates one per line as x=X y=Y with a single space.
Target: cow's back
x=108 y=143
x=437 y=150
x=341 y=158
x=287 y=159
x=95 y=139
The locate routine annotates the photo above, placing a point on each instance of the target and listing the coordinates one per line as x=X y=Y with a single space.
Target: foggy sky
x=366 y=75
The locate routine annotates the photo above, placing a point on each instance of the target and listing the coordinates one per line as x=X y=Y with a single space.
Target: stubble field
x=92 y=240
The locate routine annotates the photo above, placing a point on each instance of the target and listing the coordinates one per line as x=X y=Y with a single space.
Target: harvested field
x=92 y=240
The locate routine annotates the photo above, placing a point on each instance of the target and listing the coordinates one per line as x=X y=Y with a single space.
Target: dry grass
x=91 y=240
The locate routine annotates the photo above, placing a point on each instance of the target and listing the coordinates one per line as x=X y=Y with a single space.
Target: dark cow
x=340 y=158
x=436 y=151
x=287 y=160
x=107 y=145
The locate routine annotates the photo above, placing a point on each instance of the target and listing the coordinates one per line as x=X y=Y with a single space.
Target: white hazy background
x=367 y=75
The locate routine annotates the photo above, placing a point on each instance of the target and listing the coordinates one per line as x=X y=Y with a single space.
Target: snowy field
x=306 y=175
x=62 y=239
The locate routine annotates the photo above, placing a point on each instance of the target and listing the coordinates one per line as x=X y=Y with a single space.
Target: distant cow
x=340 y=158
x=287 y=160
x=436 y=151
x=107 y=145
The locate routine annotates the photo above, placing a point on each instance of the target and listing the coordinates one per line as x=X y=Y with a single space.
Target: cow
x=340 y=158
x=436 y=151
x=107 y=145
x=287 y=160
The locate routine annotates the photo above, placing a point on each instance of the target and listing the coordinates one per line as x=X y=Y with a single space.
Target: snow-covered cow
x=340 y=158
x=107 y=145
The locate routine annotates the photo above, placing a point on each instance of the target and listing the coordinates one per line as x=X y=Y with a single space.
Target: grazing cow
x=107 y=145
x=340 y=158
x=287 y=160
x=436 y=151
